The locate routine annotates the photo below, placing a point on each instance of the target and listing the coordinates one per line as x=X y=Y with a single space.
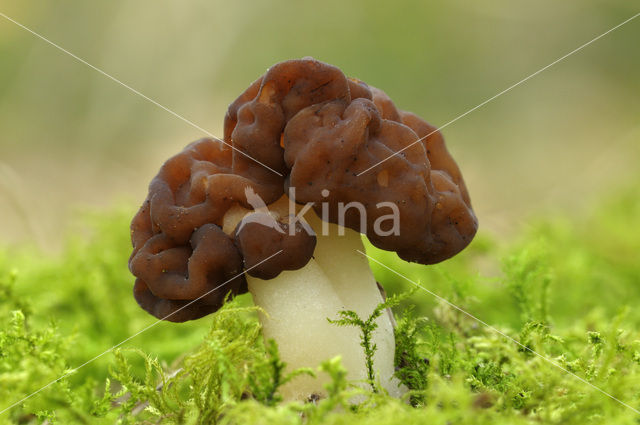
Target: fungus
x=213 y=211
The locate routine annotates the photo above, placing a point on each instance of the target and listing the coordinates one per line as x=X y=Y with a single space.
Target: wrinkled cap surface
x=322 y=132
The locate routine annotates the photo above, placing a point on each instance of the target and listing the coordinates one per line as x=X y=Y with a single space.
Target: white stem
x=299 y=302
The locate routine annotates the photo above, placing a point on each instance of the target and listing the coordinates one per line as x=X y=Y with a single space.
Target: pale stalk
x=299 y=302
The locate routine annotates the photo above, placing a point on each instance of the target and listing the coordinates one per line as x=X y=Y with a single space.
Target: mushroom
x=213 y=211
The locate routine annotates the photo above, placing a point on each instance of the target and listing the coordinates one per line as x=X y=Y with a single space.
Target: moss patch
x=567 y=289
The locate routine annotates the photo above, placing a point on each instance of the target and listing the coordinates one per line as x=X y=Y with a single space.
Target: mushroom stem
x=298 y=303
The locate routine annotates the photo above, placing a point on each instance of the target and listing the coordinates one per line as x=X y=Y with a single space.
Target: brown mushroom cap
x=318 y=129
x=258 y=241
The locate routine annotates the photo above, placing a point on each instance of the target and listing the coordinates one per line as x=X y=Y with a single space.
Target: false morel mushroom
x=310 y=161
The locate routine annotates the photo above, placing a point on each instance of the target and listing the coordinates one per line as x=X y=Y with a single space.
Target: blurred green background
x=70 y=137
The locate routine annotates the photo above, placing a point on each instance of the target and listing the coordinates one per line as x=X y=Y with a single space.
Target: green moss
x=367 y=328
x=565 y=289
